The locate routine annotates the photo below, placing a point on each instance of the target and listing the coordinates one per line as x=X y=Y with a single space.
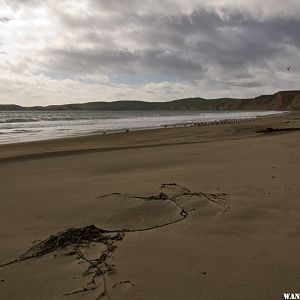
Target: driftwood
x=271 y=130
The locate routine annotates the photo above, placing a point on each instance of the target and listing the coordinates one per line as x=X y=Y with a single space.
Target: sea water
x=23 y=126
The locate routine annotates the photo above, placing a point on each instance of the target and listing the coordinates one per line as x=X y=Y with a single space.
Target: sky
x=64 y=51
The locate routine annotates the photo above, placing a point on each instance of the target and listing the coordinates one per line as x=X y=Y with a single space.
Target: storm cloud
x=66 y=51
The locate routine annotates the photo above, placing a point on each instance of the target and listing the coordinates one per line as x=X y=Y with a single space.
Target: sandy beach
x=207 y=212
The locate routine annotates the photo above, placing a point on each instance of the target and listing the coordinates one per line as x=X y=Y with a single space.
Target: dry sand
x=226 y=227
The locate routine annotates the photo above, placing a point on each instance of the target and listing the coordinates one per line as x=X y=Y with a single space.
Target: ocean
x=39 y=125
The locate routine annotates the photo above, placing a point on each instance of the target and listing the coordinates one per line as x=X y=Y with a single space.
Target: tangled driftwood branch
x=72 y=241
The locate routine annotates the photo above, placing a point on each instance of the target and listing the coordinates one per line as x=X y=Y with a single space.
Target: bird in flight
x=288 y=68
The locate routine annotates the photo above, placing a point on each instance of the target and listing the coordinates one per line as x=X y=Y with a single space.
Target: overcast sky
x=60 y=51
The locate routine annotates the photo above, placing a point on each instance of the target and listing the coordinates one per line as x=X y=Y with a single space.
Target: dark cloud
x=4 y=19
x=185 y=46
x=146 y=62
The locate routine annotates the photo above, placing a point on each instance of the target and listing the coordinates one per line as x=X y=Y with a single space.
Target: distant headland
x=282 y=100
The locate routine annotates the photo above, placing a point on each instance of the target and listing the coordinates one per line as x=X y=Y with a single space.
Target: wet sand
x=209 y=212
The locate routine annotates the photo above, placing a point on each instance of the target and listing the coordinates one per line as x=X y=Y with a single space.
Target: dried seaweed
x=72 y=241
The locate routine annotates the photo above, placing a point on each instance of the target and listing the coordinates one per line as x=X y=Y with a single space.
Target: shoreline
x=41 y=136
x=109 y=142
x=166 y=126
